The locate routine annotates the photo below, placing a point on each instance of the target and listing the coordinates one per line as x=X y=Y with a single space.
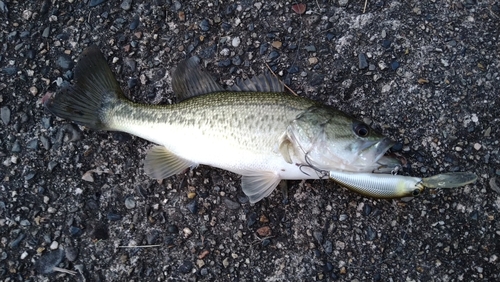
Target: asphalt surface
x=426 y=73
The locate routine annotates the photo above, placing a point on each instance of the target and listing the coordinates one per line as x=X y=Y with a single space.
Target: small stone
x=46 y=32
x=173 y=229
x=236 y=41
x=343 y=3
x=87 y=176
x=313 y=60
x=187 y=232
x=382 y=65
x=94 y=3
x=71 y=253
x=477 y=146
x=192 y=206
x=264 y=231
x=134 y=24
x=310 y=48
x=54 y=245
x=204 y=25
x=363 y=61
x=277 y=44
x=273 y=56
x=33 y=90
x=65 y=62
x=126 y=5
x=130 y=202
x=225 y=262
x=394 y=65
x=32 y=144
x=186 y=267
x=487 y=132
x=5 y=115
x=232 y=205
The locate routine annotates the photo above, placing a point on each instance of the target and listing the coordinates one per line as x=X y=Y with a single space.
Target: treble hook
x=321 y=173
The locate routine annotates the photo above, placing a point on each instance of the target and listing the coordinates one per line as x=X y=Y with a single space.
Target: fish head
x=329 y=139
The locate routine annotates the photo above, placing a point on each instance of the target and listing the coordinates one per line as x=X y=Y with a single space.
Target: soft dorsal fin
x=161 y=163
x=262 y=83
x=189 y=80
x=259 y=185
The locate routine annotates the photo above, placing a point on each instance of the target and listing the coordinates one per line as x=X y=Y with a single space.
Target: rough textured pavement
x=424 y=72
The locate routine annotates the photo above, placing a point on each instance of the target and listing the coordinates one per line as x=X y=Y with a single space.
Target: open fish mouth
x=387 y=162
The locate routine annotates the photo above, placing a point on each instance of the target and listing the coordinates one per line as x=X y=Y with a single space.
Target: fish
x=253 y=128
x=388 y=186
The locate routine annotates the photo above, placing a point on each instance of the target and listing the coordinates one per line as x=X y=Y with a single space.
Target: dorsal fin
x=189 y=80
x=262 y=83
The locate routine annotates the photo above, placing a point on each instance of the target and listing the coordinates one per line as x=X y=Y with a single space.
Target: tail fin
x=94 y=91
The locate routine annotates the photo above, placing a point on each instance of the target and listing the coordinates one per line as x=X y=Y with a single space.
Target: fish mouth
x=382 y=147
x=387 y=163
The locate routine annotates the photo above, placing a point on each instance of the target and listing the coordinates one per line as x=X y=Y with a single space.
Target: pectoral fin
x=259 y=185
x=160 y=163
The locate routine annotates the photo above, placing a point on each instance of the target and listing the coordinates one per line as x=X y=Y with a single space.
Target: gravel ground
x=425 y=73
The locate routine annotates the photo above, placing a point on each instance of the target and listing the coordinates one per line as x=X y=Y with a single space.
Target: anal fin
x=161 y=163
x=259 y=185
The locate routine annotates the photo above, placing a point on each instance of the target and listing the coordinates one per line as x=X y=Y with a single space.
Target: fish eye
x=415 y=193
x=361 y=129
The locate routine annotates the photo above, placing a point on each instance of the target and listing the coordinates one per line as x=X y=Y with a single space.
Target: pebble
x=75 y=231
x=193 y=206
x=310 y=48
x=65 y=62
x=32 y=144
x=313 y=60
x=370 y=234
x=186 y=267
x=71 y=253
x=187 y=232
x=16 y=147
x=293 y=69
x=46 y=32
x=394 y=65
x=232 y=205
x=236 y=60
x=173 y=229
x=363 y=61
x=130 y=202
x=54 y=245
x=477 y=146
x=382 y=65
x=51 y=165
x=328 y=247
x=264 y=231
x=94 y=3
x=277 y=44
x=386 y=43
x=236 y=41
x=134 y=24
x=126 y=5
x=273 y=55
x=5 y=115
x=343 y=3
x=251 y=218
x=111 y=216
x=204 y=25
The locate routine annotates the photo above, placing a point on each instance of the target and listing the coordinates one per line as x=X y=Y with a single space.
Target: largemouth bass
x=253 y=128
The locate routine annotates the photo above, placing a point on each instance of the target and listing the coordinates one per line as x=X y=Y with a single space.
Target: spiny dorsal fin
x=161 y=163
x=262 y=83
x=189 y=80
